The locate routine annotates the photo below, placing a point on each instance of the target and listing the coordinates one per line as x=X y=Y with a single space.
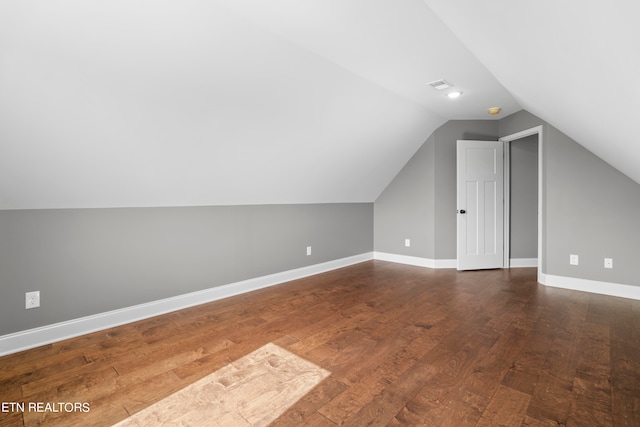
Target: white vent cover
x=439 y=84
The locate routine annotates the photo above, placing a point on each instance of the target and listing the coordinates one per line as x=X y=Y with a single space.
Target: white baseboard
x=523 y=262
x=412 y=260
x=13 y=343
x=24 y=340
x=572 y=283
x=593 y=286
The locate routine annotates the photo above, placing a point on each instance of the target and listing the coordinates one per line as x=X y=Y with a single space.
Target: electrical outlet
x=407 y=243
x=308 y=250
x=573 y=259
x=32 y=299
x=608 y=263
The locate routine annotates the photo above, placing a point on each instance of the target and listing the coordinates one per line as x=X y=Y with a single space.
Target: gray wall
x=524 y=197
x=590 y=208
x=405 y=209
x=420 y=203
x=88 y=261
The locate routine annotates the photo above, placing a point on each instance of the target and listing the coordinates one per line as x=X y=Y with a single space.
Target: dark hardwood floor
x=405 y=346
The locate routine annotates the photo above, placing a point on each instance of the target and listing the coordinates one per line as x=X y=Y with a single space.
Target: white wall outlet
x=308 y=250
x=608 y=263
x=574 y=259
x=32 y=299
x=407 y=243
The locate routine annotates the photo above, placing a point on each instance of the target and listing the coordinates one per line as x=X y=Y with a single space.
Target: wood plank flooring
x=405 y=346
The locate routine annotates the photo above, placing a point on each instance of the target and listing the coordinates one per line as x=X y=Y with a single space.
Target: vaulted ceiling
x=203 y=102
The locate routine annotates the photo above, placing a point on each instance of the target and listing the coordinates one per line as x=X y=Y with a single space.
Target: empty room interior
x=319 y=212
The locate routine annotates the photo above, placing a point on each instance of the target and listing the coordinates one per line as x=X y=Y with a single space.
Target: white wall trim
x=593 y=286
x=24 y=340
x=417 y=261
x=523 y=262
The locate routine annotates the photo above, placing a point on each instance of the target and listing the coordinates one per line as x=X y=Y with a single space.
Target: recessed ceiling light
x=454 y=94
x=494 y=111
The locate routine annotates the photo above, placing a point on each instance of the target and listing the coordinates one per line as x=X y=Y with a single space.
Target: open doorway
x=523 y=216
x=523 y=160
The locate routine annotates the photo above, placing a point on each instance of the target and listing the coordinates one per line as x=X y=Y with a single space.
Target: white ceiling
x=573 y=63
x=201 y=102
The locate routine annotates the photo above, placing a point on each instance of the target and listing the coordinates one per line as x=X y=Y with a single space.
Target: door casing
x=538 y=130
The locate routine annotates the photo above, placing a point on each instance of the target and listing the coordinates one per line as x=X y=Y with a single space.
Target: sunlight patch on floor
x=252 y=391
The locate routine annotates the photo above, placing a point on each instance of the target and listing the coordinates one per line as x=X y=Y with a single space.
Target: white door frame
x=507 y=197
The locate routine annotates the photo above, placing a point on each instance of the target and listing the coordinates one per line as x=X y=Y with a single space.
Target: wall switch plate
x=407 y=243
x=32 y=299
x=308 y=250
x=573 y=259
x=608 y=263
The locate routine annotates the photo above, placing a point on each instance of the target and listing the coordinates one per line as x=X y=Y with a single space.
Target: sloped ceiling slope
x=199 y=102
x=573 y=63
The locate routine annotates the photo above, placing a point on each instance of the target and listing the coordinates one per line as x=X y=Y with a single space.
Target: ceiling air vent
x=439 y=84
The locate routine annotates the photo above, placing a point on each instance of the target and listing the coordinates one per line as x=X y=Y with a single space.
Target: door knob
x=462 y=211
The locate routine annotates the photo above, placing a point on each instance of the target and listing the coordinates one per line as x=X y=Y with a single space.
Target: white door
x=480 y=204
